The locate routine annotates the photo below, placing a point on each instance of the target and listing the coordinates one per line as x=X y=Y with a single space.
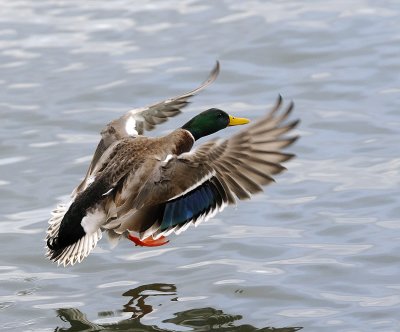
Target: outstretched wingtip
x=217 y=66
x=280 y=99
x=213 y=75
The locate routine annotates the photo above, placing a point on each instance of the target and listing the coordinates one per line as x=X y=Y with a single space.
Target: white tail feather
x=75 y=252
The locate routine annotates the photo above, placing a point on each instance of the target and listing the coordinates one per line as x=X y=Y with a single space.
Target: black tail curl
x=71 y=229
x=52 y=243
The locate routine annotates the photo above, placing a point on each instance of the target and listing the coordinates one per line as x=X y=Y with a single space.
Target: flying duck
x=145 y=188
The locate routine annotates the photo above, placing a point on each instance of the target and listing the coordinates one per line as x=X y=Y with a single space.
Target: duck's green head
x=211 y=121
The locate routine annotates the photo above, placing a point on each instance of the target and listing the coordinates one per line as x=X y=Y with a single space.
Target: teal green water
x=319 y=249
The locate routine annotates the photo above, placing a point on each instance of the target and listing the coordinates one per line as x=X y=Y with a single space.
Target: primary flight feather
x=143 y=188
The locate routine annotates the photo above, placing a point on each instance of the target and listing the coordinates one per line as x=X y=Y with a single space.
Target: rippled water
x=318 y=250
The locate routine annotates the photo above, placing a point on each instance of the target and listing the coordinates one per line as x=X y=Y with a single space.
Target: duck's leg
x=149 y=241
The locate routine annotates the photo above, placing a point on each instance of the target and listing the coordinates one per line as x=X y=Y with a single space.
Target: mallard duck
x=144 y=188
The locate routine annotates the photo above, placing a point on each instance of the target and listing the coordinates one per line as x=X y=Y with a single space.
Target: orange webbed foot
x=149 y=241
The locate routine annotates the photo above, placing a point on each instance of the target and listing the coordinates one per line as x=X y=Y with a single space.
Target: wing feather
x=236 y=167
x=145 y=118
x=157 y=113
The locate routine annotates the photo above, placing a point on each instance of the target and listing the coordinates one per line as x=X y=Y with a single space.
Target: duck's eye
x=220 y=115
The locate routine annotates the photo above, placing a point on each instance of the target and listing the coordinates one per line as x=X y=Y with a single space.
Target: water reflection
x=137 y=306
x=198 y=319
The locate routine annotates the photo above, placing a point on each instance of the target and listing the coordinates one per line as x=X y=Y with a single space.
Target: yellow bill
x=233 y=121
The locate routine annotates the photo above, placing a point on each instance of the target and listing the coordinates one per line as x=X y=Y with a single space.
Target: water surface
x=319 y=249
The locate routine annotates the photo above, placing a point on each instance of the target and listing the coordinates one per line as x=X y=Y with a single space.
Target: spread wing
x=136 y=121
x=196 y=185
